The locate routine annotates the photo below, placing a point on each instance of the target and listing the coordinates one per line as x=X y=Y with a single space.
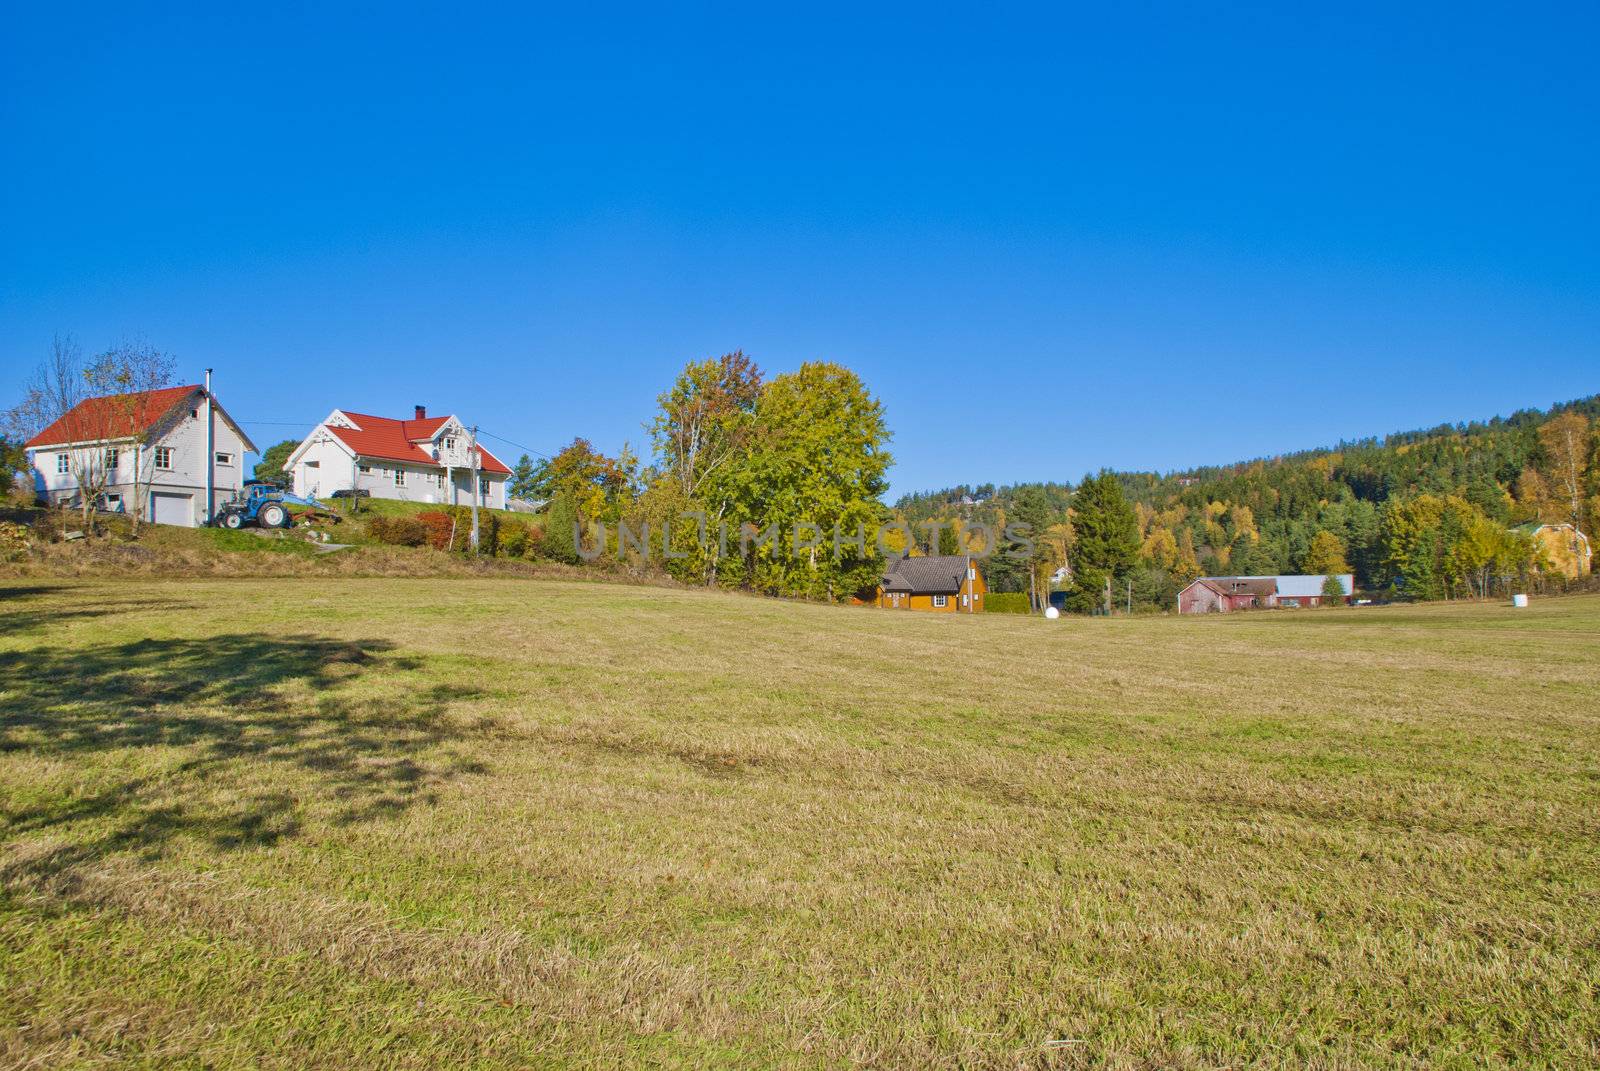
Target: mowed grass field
x=438 y=824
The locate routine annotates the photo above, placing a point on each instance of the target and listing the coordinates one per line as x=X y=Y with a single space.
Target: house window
x=972 y=572
x=111 y=459
x=399 y=477
x=224 y=458
x=483 y=485
x=361 y=468
x=438 y=479
x=164 y=458
x=111 y=503
x=63 y=464
x=449 y=443
x=941 y=601
x=966 y=600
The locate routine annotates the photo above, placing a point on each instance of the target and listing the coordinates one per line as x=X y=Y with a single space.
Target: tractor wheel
x=273 y=515
x=233 y=519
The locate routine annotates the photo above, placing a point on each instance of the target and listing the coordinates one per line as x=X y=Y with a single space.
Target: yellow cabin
x=943 y=583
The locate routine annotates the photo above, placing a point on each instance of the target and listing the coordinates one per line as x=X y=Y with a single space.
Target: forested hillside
x=1426 y=513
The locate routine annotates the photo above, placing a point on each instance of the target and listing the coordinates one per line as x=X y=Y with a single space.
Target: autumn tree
x=1326 y=555
x=598 y=486
x=1565 y=440
x=703 y=425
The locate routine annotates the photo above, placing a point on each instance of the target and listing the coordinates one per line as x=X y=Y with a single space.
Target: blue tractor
x=262 y=505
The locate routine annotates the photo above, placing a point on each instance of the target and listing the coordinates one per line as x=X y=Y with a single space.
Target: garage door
x=168 y=508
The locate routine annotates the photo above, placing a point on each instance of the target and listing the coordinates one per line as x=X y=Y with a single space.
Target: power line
x=519 y=446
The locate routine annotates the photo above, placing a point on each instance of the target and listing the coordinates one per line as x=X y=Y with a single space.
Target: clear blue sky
x=1049 y=240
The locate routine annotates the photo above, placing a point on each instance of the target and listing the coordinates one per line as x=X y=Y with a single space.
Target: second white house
x=424 y=459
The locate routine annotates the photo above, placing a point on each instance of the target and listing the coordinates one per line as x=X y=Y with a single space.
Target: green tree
x=523 y=479
x=816 y=458
x=270 y=468
x=13 y=464
x=1332 y=591
x=1106 y=544
x=704 y=424
x=560 y=522
x=1031 y=508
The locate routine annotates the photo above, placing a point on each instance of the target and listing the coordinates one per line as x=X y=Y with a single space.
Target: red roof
x=113 y=416
x=398 y=440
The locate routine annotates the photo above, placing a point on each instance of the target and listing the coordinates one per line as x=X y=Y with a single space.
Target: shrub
x=14 y=541
x=439 y=526
x=516 y=540
x=400 y=531
x=1006 y=602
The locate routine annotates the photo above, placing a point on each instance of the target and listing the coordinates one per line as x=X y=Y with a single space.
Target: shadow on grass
x=257 y=728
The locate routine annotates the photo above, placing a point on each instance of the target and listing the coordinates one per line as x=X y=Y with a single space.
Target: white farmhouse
x=149 y=451
x=424 y=459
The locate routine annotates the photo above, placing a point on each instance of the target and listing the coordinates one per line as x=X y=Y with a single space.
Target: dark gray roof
x=940 y=574
x=1243 y=585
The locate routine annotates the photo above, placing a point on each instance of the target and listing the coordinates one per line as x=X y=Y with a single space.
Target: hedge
x=1006 y=602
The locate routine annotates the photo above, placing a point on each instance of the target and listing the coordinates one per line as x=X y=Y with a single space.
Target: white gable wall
x=136 y=475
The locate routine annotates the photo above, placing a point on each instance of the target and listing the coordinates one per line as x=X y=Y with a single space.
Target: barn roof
x=1242 y=585
x=937 y=574
x=1303 y=586
x=1288 y=585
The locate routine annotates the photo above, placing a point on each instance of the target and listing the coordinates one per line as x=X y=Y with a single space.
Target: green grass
x=445 y=823
x=248 y=541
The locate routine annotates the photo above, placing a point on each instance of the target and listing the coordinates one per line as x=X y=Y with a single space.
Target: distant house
x=948 y=583
x=147 y=449
x=1565 y=547
x=1223 y=594
x=424 y=459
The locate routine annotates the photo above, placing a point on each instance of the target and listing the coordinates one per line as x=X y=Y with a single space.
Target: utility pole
x=211 y=455
x=1130 y=596
x=472 y=446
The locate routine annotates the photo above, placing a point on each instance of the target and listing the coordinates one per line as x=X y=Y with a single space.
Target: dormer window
x=449 y=443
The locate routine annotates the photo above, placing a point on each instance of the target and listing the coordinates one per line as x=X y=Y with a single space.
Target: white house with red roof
x=424 y=459
x=145 y=451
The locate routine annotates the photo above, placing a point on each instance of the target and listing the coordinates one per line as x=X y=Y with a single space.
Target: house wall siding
x=326 y=466
x=136 y=477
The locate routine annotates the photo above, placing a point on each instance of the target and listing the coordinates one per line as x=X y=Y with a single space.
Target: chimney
x=422 y=412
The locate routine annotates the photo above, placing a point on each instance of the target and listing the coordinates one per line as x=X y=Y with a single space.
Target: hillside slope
x=1262 y=516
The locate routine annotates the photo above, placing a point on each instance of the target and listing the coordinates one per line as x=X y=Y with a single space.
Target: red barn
x=1221 y=594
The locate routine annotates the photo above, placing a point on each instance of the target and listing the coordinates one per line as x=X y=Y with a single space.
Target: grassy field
x=342 y=823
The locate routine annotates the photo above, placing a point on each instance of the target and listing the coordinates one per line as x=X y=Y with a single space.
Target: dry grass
x=439 y=823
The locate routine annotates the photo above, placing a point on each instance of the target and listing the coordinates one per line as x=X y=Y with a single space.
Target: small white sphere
x=1051 y=612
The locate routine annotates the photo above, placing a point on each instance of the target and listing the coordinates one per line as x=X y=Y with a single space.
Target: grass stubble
x=453 y=822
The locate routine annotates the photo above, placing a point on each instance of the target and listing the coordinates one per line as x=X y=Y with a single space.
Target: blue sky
x=1049 y=240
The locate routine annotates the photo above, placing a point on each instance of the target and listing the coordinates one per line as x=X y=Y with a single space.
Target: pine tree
x=1106 y=543
x=523 y=478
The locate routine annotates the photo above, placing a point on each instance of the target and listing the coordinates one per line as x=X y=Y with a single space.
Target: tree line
x=1422 y=514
